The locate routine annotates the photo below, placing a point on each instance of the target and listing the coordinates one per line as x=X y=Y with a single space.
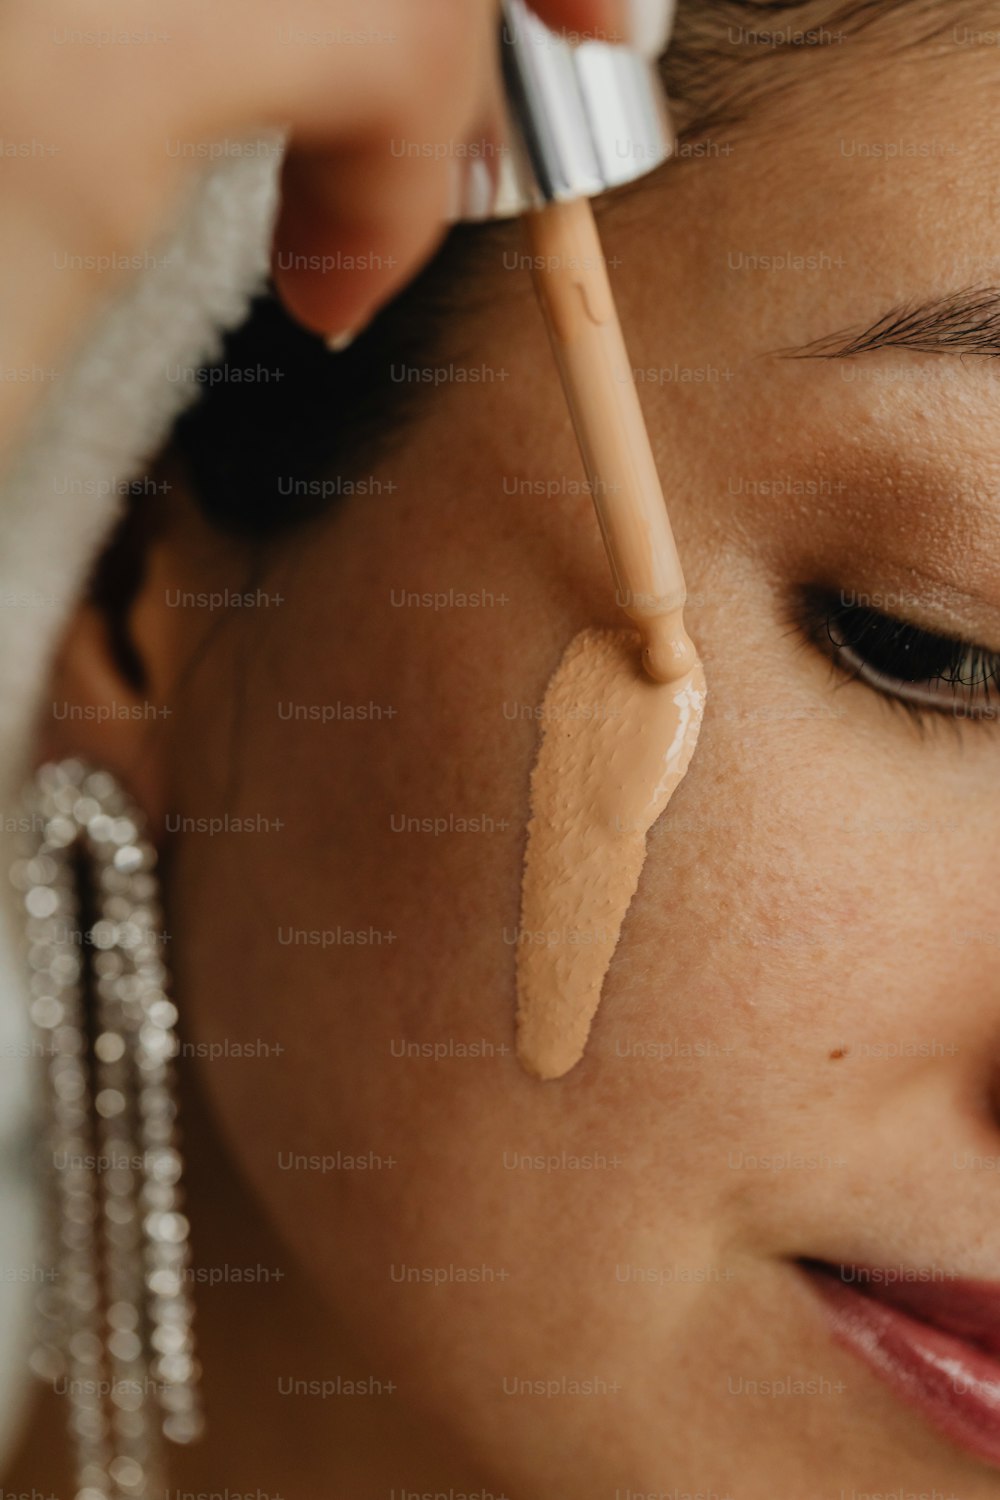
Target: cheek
x=367 y=937
x=378 y=918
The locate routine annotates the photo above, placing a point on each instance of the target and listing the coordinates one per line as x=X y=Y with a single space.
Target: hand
x=94 y=95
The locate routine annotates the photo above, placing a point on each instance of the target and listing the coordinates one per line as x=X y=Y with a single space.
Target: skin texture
x=808 y=970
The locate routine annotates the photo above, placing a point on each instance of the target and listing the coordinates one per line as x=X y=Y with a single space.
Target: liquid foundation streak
x=622 y=713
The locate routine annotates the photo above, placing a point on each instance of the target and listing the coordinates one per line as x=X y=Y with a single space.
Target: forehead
x=860 y=174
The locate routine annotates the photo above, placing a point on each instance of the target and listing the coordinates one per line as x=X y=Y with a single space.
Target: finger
x=645 y=24
x=328 y=69
x=339 y=74
x=604 y=19
x=358 y=220
x=354 y=227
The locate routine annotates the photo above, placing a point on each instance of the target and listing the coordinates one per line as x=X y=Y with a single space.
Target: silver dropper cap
x=581 y=119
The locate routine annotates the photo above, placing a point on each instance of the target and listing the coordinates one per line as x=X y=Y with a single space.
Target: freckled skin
x=824 y=878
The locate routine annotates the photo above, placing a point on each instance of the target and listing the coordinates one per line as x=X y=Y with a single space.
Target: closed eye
x=926 y=672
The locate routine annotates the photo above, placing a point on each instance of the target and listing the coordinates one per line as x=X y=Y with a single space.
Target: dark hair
x=314 y=415
x=296 y=411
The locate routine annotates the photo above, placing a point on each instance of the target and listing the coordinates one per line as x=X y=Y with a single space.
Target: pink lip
x=935 y=1342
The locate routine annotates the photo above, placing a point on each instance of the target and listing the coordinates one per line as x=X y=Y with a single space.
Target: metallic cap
x=580 y=119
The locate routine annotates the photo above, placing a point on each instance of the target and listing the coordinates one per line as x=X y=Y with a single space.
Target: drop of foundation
x=615 y=746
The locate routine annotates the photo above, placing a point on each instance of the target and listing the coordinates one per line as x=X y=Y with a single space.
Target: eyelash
x=968 y=675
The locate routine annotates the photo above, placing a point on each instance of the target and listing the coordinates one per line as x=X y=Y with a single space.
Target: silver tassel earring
x=116 y=1316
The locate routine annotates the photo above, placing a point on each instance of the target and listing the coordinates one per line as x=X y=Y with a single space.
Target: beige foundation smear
x=615 y=746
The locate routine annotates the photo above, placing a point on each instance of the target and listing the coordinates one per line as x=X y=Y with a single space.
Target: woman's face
x=798 y=1046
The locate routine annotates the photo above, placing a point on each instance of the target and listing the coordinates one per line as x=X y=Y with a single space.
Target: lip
x=933 y=1340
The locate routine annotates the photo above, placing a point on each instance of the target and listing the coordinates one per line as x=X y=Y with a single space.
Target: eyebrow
x=963 y=322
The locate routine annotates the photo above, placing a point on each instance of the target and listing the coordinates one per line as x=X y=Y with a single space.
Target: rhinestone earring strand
x=116 y=1316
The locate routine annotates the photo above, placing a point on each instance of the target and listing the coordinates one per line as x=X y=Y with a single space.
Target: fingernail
x=650 y=23
x=338 y=342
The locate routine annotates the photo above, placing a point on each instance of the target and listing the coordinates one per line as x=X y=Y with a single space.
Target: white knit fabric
x=106 y=418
